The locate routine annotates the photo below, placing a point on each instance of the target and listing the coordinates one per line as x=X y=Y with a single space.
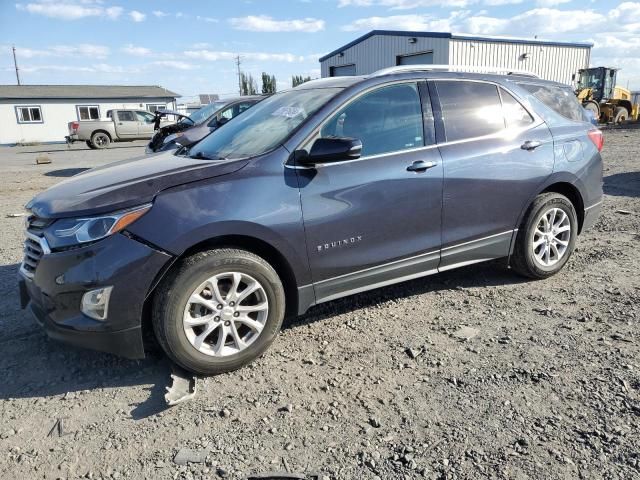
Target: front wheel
x=218 y=310
x=546 y=238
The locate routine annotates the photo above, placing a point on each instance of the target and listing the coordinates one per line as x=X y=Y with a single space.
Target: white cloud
x=136 y=51
x=212 y=56
x=82 y=49
x=160 y=13
x=538 y=21
x=550 y=3
x=174 y=64
x=137 y=16
x=405 y=4
x=407 y=22
x=264 y=23
x=207 y=19
x=66 y=10
x=98 y=68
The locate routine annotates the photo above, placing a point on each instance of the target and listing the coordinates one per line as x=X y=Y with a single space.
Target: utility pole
x=15 y=63
x=239 y=79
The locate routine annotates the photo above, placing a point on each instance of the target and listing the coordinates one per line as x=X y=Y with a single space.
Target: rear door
x=126 y=124
x=496 y=153
x=375 y=220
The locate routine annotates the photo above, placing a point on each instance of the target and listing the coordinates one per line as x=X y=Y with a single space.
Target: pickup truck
x=121 y=126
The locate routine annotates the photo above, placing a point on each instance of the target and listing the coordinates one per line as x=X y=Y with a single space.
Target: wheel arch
x=101 y=130
x=254 y=245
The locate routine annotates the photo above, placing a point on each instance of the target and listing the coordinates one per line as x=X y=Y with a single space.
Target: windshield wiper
x=202 y=156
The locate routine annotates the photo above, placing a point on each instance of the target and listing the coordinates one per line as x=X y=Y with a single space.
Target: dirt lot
x=548 y=388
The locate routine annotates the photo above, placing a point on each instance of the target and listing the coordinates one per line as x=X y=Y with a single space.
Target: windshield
x=263 y=126
x=590 y=79
x=205 y=112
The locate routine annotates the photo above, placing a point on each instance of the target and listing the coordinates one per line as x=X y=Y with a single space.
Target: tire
x=100 y=140
x=620 y=115
x=525 y=260
x=90 y=145
x=592 y=107
x=173 y=304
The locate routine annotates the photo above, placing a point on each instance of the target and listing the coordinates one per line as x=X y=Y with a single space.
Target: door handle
x=119 y=123
x=530 y=145
x=420 y=166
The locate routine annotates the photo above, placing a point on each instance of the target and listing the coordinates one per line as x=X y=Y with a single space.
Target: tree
x=248 y=85
x=299 y=80
x=268 y=84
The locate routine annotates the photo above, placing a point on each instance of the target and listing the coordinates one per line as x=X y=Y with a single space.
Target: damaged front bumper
x=53 y=293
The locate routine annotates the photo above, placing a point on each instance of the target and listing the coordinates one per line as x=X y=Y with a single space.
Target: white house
x=380 y=49
x=40 y=113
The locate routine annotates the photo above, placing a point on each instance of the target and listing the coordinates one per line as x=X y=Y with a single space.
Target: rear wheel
x=218 y=311
x=100 y=140
x=620 y=115
x=594 y=108
x=546 y=239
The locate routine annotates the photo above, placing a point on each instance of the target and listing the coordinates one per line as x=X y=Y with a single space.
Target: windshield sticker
x=288 y=112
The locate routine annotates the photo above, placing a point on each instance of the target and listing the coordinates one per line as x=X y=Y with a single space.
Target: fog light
x=95 y=303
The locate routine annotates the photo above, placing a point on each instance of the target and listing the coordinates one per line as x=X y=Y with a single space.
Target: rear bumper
x=72 y=138
x=591 y=215
x=53 y=294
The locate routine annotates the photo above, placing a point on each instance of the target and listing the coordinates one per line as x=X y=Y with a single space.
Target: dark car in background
x=193 y=128
x=337 y=186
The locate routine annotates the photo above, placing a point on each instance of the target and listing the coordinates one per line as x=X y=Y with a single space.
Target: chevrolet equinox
x=334 y=187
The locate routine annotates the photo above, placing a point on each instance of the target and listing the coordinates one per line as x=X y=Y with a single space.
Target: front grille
x=35 y=245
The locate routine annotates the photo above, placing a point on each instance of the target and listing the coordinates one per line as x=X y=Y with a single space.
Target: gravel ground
x=378 y=385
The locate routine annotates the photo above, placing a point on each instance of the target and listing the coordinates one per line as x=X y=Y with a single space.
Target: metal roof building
x=40 y=113
x=383 y=48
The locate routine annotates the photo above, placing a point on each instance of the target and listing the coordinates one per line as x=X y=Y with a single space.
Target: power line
x=15 y=64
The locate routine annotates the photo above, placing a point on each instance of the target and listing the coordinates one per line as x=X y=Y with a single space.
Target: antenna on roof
x=15 y=64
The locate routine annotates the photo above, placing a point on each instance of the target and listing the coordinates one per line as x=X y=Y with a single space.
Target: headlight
x=68 y=232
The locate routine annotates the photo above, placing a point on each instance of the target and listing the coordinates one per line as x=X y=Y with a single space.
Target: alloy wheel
x=551 y=237
x=225 y=314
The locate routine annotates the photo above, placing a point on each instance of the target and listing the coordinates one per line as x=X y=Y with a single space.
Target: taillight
x=597 y=138
x=75 y=126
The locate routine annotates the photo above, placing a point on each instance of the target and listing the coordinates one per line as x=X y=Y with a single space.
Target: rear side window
x=561 y=100
x=388 y=119
x=515 y=115
x=126 y=116
x=469 y=109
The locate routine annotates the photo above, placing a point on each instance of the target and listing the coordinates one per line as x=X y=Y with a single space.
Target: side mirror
x=332 y=149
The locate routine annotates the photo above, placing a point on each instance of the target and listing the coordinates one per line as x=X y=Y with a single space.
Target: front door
x=496 y=154
x=145 y=124
x=375 y=220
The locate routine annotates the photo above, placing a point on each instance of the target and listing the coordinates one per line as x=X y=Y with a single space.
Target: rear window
x=561 y=100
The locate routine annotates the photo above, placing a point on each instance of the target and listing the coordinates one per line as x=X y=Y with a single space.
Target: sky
x=190 y=47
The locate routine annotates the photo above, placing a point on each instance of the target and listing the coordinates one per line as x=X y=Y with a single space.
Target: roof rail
x=453 y=68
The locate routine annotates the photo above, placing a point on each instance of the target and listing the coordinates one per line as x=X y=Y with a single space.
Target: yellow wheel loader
x=597 y=91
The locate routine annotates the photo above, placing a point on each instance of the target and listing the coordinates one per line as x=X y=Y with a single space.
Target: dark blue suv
x=337 y=186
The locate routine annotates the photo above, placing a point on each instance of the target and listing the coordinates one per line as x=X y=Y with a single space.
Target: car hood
x=125 y=184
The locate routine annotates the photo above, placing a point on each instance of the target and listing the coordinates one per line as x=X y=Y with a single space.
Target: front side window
x=145 y=117
x=205 y=112
x=126 y=116
x=469 y=109
x=264 y=126
x=88 y=112
x=31 y=114
x=388 y=119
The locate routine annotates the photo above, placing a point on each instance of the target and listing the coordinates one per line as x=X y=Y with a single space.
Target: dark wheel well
x=574 y=197
x=101 y=131
x=253 y=245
